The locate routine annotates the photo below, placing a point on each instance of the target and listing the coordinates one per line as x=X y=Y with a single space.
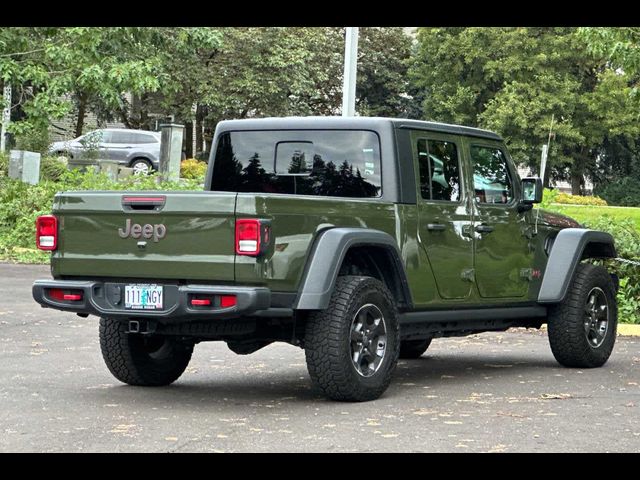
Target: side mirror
x=531 y=190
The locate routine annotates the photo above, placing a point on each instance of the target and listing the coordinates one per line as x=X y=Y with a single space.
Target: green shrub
x=52 y=169
x=568 y=199
x=34 y=139
x=627 y=238
x=549 y=196
x=193 y=169
x=624 y=192
x=21 y=204
x=4 y=164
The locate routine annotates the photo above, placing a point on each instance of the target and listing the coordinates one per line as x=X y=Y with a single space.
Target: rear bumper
x=106 y=299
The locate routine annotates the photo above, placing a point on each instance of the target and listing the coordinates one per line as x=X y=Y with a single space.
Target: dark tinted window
x=439 y=170
x=303 y=162
x=491 y=178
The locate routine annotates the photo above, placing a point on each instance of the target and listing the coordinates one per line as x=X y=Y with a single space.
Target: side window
x=491 y=179
x=120 y=137
x=94 y=138
x=439 y=170
x=141 y=138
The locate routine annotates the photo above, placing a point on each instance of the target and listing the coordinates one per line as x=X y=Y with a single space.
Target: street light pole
x=350 y=63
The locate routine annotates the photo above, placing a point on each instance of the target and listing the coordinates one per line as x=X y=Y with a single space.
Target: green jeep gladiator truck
x=357 y=239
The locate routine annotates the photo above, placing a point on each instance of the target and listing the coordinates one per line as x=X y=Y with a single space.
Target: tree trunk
x=188 y=135
x=144 y=112
x=576 y=181
x=198 y=127
x=82 y=111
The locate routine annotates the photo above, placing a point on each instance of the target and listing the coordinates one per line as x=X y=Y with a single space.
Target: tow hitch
x=143 y=327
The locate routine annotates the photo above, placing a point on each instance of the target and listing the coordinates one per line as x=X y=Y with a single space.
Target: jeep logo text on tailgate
x=136 y=230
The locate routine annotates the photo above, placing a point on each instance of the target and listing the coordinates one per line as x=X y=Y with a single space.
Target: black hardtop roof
x=352 y=123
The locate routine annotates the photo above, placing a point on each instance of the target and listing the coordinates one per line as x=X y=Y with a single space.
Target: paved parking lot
x=485 y=393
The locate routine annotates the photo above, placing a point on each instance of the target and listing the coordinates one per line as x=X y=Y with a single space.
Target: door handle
x=436 y=227
x=484 y=229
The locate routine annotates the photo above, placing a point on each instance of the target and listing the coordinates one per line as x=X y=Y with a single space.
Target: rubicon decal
x=157 y=231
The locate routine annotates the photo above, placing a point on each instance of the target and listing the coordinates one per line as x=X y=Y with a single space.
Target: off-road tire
x=567 y=336
x=142 y=360
x=328 y=342
x=411 y=349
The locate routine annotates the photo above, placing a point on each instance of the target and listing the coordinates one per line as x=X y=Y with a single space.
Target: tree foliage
x=512 y=80
x=620 y=45
x=50 y=69
x=126 y=74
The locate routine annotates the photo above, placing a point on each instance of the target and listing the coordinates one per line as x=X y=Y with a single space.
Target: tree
x=620 y=45
x=127 y=73
x=512 y=80
x=383 y=61
x=54 y=69
x=47 y=66
x=279 y=71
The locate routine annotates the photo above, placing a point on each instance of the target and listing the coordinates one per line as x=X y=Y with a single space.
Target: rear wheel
x=141 y=166
x=352 y=347
x=413 y=348
x=582 y=328
x=145 y=360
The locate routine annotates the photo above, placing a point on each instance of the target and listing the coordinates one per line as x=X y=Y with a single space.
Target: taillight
x=47 y=232
x=200 y=302
x=203 y=301
x=65 y=295
x=248 y=236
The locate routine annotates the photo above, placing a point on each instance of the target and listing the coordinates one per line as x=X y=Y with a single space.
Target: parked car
x=137 y=149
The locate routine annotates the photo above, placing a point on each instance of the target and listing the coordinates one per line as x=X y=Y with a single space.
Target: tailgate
x=155 y=235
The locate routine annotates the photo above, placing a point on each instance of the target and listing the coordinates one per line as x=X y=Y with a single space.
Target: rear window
x=337 y=163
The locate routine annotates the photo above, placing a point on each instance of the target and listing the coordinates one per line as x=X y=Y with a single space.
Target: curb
x=628 y=330
x=624 y=329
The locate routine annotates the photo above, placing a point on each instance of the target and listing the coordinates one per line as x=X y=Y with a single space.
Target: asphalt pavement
x=494 y=392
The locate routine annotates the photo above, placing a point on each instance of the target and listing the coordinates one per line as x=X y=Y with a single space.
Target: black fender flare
x=325 y=259
x=569 y=248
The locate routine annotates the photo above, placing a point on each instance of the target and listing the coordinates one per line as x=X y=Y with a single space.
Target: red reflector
x=47 y=232
x=143 y=199
x=227 y=301
x=247 y=236
x=200 y=302
x=58 y=294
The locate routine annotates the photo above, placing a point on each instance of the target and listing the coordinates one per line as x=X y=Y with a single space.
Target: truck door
x=503 y=255
x=444 y=227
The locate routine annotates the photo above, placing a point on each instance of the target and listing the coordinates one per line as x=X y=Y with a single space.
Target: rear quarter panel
x=297 y=220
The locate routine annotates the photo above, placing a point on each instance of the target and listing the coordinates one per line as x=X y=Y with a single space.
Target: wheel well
x=133 y=160
x=378 y=262
x=598 y=250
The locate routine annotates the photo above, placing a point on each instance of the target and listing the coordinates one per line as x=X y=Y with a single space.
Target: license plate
x=143 y=297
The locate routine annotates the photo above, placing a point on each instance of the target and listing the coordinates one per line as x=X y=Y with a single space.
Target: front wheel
x=352 y=347
x=582 y=328
x=143 y=360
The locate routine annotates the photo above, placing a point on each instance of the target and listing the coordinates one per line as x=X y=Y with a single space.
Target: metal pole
x=350 y=63
x=6 y=116
x=545 y=152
